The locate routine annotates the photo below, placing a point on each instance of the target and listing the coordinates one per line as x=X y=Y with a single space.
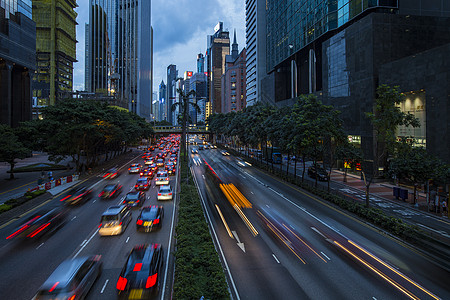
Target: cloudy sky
x=180 y=29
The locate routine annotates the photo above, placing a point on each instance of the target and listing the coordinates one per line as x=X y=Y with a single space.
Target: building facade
x=198 y=85
x=200 y=63
x=17 y=61
x=336 y=50
x=218 y=48
x=120 y=53
x=55 y=49
x=234 y=80
x=255 y=12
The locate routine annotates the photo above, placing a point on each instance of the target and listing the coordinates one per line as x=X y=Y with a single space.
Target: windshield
x=132 y=196
x=149 y=213
x=110 y=218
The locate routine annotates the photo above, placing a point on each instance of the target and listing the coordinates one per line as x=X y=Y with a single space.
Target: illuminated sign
x=189 y=74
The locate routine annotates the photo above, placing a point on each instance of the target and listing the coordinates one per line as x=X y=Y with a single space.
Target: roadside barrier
x=54 y=183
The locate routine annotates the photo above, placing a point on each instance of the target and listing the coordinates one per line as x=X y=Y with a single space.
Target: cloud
x=180 y=30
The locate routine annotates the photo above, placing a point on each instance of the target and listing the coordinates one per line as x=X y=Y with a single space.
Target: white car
x=162 y=177
x=134 y=168
x=165 y=192
x=115 y=220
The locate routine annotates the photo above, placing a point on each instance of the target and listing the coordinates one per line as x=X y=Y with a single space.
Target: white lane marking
x=252 y=193
x=241 y=245
x=104 y=286
x=242 y=176
x=275 y=258
x=40 y=246
x=217 y=241
x=128 y=238
x=325 y=255
x=94 y=201
x=73 y=218
x=85 y=242
x=318 y=232
x=203 y=176
x=374 y=298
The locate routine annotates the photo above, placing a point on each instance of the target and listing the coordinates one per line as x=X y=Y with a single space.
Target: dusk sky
x=180 y=30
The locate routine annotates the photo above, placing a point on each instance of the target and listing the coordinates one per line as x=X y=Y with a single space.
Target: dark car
x=142 y=183
x=150 y=218
x=77 y=195
x=169 y=165
x=171 y=170
x=153 y=167
x=147 y=173
x=72 y=279
x=111 y=173
x=134 y=199
x=139 y=278
x=173 y=160
x=318 y=171
x=110 y=191
x=160 y=162
x=41 y=223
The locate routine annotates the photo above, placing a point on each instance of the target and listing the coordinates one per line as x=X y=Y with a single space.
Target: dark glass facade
x=293 y=24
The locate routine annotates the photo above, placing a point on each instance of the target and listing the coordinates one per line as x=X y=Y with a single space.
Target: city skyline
x=173 y=46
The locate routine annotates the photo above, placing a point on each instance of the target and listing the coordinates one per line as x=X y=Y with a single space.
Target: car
x=151 y=148
x=319 y=172
x=194 y=151
x=134 y=199
x=142 y=183
x=147 y=173
x=77 y=195
x=171 y=170
x=72 y=279
x=149 y=161
x=150 y=218
x=111 y=173
x=169 y=165
x=213 y=147
x=115 y=220
x=110 y=191
x=134 y=168
x=139 y=278
x=146 y=155
x=153 y=167
x=160 y=162
x=41 y=223
x=201 y=147
x=162 y=177
x=165 y=192
x=224 y=152
x=173 y=160
x=206 y=146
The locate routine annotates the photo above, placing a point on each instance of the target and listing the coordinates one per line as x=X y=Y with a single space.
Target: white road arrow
x=241 y=245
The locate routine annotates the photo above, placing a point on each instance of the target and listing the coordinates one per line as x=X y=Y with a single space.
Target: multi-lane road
x=275 y=241
x=279 y=242
x=25 y=266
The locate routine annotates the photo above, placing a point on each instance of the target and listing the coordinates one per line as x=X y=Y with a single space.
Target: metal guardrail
x=178 y=129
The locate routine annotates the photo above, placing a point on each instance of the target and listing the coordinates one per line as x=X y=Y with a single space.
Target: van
x=115 y=220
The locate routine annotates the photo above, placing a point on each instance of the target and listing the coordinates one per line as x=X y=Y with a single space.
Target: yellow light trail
x=246 y=221
x=394 y=270
x=379 y=273
x=310 y=248
x=224 y=222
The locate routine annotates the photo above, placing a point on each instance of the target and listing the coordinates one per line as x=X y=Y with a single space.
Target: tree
x=385 y=117
x=11 y=148
x=184 y=107
x=350 y=155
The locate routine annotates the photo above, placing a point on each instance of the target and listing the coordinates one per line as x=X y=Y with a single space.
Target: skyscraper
x=200 y=63
x=218 y=47
x=120 y=52
x=17 y=61
x=255 y=11
x=162 y=115
x=172 y=75
x=55 y=49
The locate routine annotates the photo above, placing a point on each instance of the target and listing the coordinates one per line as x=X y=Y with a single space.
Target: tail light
x=100 y=225
x=112 y=193
x=42 y=227
x=129 y=169
x=155 y=221
x=136 y=186
x=170 y=194
x=101 y=194
x=151 y=281
x=139 y=222
x=65 y=198
x=159 y=194
x=124 y=201
x=106 y=175
x=121 y=283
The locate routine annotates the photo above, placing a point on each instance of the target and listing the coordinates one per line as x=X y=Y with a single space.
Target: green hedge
x=11 y=203
x=198 y=271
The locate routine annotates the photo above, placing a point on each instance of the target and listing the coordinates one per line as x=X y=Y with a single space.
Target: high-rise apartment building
x=198 y=85
x=343 y=50
x=172 y=75
x=217 y=49
x=55 y=49
x=120 y=53
x=255 y=12
x=17 y=61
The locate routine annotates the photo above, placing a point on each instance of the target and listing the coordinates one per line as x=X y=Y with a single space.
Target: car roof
x=114 y=210
x=64 y=272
